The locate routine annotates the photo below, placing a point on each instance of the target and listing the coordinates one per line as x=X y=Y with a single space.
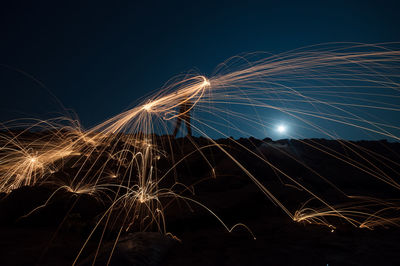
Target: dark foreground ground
x=203 y=240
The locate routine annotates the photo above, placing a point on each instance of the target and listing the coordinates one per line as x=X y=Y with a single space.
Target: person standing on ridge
x=184 y=114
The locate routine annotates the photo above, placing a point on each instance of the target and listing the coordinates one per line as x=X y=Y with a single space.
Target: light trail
x=118 y=160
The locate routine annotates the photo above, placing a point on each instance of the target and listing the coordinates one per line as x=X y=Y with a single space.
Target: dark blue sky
x=99 y=57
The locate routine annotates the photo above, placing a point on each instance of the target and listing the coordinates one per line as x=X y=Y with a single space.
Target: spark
x=117 y=161
x=148 y=106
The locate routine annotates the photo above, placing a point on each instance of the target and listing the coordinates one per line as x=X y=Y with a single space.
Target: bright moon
x=281 y=129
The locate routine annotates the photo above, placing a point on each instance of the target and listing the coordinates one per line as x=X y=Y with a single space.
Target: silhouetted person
x=184 y=114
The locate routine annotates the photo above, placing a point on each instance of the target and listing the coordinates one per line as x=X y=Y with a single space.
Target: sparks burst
x=118 y=161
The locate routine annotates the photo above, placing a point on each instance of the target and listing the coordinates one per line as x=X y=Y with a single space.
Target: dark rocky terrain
x=54 y=234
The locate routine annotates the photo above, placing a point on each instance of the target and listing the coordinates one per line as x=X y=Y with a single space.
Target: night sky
x=98 y=58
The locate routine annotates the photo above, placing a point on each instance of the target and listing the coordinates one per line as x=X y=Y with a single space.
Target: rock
x=139 y=249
